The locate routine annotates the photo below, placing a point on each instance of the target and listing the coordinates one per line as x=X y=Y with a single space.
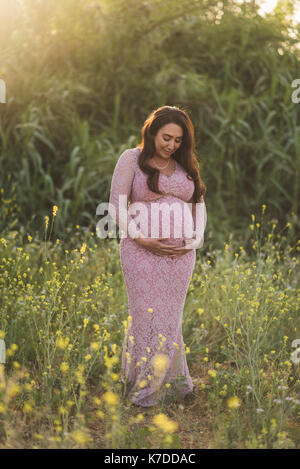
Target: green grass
x=82 y=81
x=63 y=317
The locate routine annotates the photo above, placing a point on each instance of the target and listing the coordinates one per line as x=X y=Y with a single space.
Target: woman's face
x=167 y=140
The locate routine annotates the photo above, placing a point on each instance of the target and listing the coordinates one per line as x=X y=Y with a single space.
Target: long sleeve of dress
x=120 y=195
x=200 y=219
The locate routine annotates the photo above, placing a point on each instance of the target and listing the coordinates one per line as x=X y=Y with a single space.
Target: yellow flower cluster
x=212 y=373
x=160 y=362
x=233 y=402
x=165 y=423
x=111 y=398
x=64 y=367
x=81 y=437
x=62 y=343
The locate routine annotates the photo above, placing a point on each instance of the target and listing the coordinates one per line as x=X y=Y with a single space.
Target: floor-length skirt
x=153 y=357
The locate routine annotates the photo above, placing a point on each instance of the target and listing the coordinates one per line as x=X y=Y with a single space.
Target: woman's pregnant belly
x=167 y=217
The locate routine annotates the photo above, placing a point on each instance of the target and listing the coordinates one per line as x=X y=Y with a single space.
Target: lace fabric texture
x=153 y=357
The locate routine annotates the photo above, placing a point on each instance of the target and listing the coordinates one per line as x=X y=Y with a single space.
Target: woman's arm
x=200 y=219
x=121 y=186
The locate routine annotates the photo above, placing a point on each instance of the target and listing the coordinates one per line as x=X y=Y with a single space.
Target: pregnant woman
x=160 y=178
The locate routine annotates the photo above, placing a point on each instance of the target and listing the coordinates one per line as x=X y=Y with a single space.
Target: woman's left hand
x=192 y=243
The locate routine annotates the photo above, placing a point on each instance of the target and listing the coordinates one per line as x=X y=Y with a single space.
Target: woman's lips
x=167 y=152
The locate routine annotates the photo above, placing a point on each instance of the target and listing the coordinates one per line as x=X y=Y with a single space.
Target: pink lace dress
x=153 y=357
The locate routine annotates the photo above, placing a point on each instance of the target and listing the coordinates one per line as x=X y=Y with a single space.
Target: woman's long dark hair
x=184 y=155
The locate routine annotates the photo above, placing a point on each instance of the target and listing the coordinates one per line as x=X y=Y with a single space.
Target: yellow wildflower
x=212 y=373
x=62 y=410
x=79 y=377
x=111 y=398
x=62 y=343
x=27 y=407
x=13 y=390
x=95 y=346
x=164 y=423
x=64 y=367
x=131 y=338
x=97 y=401
x=81 y=437
x=85 y=322
x=233 y=402
x=3 y=241
x=160 y=363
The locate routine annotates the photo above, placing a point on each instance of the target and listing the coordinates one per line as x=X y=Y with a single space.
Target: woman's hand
x=194 y=243
x=190 y=244
x=158 y=248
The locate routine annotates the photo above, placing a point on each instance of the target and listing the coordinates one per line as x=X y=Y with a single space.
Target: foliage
x=83 y=75
x=64 y=314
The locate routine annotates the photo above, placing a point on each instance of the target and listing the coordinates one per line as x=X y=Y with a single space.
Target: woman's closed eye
x=167 y=140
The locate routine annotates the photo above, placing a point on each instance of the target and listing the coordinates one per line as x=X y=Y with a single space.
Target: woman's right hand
x=155 y=246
